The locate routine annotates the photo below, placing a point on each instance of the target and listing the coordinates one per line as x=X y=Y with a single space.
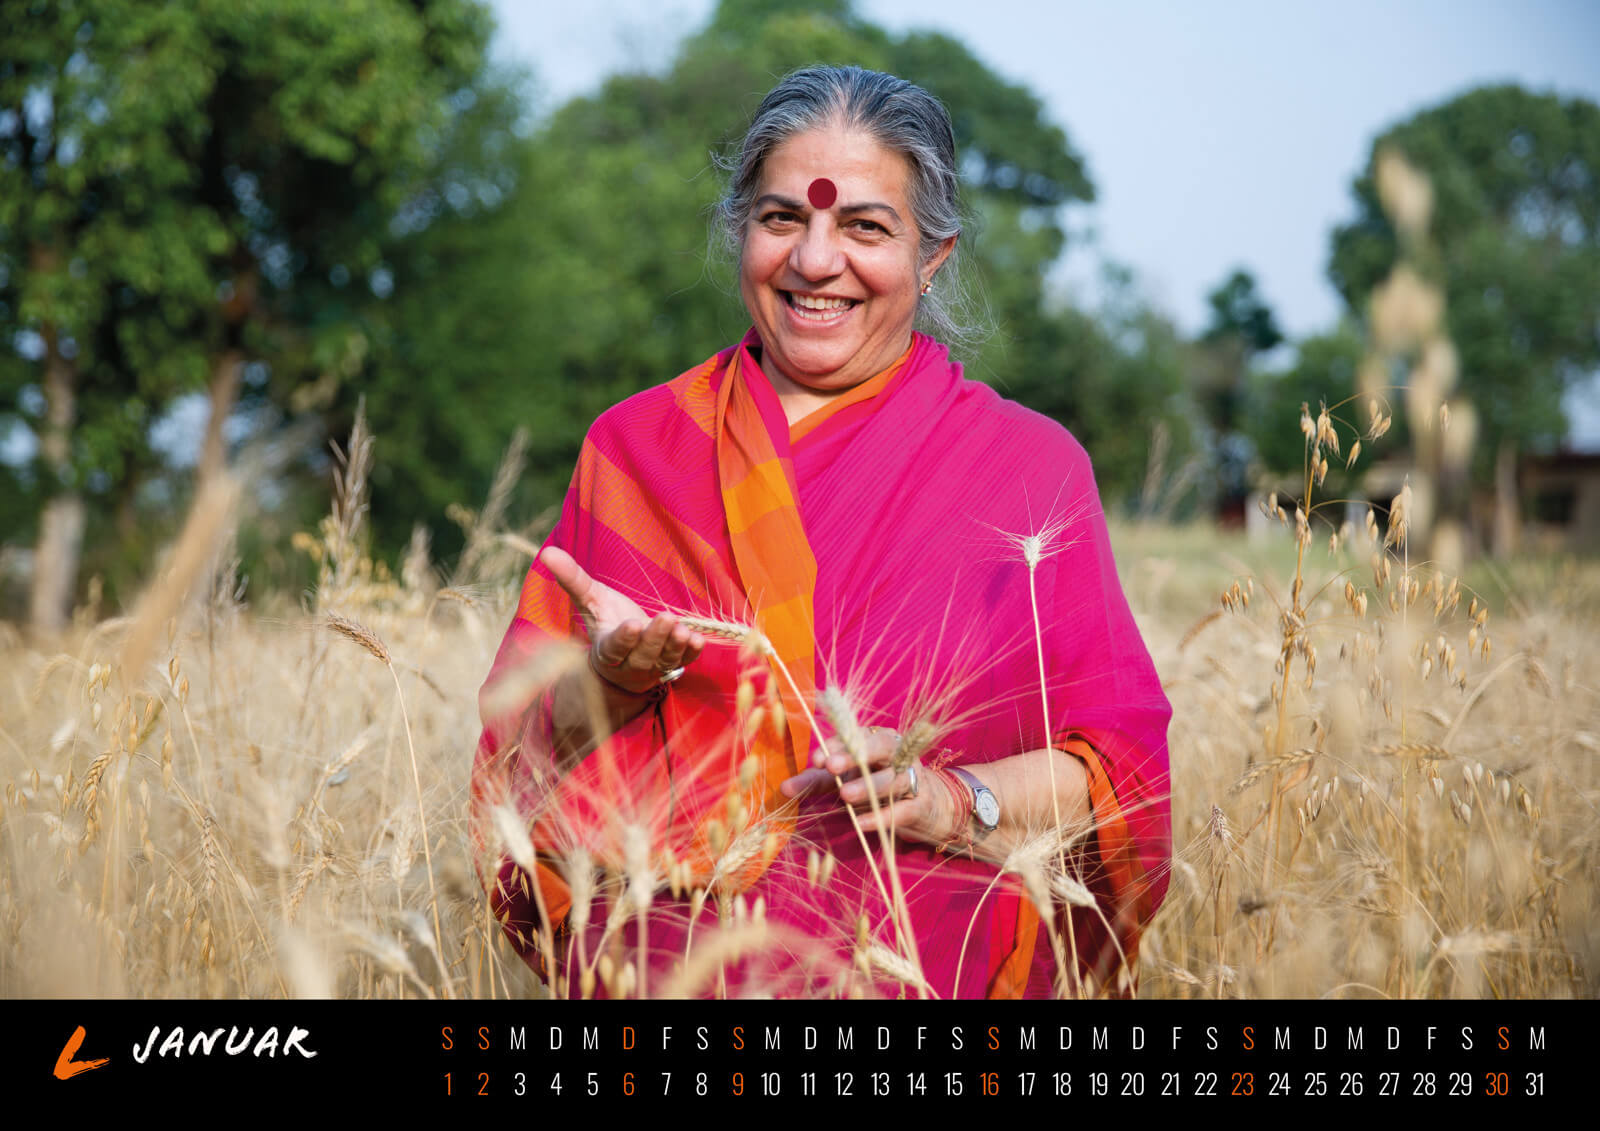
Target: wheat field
x=1383 y=779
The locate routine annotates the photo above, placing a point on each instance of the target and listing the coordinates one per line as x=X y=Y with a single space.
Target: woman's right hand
x=628 y=649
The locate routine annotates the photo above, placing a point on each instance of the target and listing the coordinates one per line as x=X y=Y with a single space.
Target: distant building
x=1560 y=500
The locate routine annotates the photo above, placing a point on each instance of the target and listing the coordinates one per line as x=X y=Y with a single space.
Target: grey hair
x=900 y=116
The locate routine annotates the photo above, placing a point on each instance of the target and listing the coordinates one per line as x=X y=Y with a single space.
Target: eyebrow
x=792 y=205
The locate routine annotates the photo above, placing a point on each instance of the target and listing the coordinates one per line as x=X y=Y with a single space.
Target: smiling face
x=832 y=291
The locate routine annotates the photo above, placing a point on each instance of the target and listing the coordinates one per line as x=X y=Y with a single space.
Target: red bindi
x=822 y=193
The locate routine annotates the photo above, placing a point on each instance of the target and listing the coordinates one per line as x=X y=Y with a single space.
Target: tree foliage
x=1324 y=372
x=1115 y=376
x=1515 y=243
x=185 y=188
x=1239 y=312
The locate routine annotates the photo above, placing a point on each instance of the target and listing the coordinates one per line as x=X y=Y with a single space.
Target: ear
x=936 y=260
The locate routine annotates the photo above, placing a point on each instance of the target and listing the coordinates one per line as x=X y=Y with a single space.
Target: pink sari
x=901 y=513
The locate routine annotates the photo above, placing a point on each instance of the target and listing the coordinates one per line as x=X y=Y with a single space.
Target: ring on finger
x=911 y=772
x=670 y=675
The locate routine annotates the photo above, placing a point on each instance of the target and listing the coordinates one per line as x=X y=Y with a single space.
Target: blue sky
x=1217 y=134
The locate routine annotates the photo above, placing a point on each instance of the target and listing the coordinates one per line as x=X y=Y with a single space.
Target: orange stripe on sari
x=776 y=566
x=696 y=395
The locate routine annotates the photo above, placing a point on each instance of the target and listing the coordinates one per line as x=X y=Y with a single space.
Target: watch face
x=987 y=809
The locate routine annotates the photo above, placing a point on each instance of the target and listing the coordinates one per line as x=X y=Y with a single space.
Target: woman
x=818 y=553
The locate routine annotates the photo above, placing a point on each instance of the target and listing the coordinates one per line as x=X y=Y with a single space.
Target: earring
x=928 y=286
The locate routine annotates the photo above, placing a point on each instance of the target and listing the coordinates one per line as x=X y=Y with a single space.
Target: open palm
x=629 y=648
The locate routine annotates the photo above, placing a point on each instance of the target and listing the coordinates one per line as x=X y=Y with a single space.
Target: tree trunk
x=55 y=557
x=1452 y=543
x=224 y=391
x=1507 y=510
x=55 y=563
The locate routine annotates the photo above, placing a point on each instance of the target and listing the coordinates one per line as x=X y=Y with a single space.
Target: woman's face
x=832 y=291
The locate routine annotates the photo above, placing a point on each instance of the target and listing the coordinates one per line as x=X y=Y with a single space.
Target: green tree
x=1115 y=377
x=185 y=188
x=1239 y=313
x=1324 y=372
x=457 y=357
x=1514 y=241
x=1241 y=328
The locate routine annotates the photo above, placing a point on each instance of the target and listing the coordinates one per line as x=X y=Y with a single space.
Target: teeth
x=808 y=302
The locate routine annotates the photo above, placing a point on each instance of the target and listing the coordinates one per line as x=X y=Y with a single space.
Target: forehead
x=861 y=167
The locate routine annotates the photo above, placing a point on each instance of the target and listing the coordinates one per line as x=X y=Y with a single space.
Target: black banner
x=1460 y=1055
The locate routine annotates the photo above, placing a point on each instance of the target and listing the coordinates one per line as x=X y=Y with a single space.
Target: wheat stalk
x=368 y=640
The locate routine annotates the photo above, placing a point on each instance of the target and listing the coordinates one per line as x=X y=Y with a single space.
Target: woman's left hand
x=911 y=802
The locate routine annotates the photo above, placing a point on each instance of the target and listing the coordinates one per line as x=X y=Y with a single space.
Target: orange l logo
x=66 y=1067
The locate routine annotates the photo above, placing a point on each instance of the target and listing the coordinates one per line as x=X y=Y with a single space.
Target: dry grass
x=241 y=818
x=1439 y=834
x=1368 y=797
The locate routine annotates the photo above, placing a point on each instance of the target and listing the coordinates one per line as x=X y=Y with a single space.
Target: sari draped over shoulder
x=877 y=546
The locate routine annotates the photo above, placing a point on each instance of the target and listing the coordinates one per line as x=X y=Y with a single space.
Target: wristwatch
x=985 y=808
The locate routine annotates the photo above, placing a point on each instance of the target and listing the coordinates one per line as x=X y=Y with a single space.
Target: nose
x=817 y=253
